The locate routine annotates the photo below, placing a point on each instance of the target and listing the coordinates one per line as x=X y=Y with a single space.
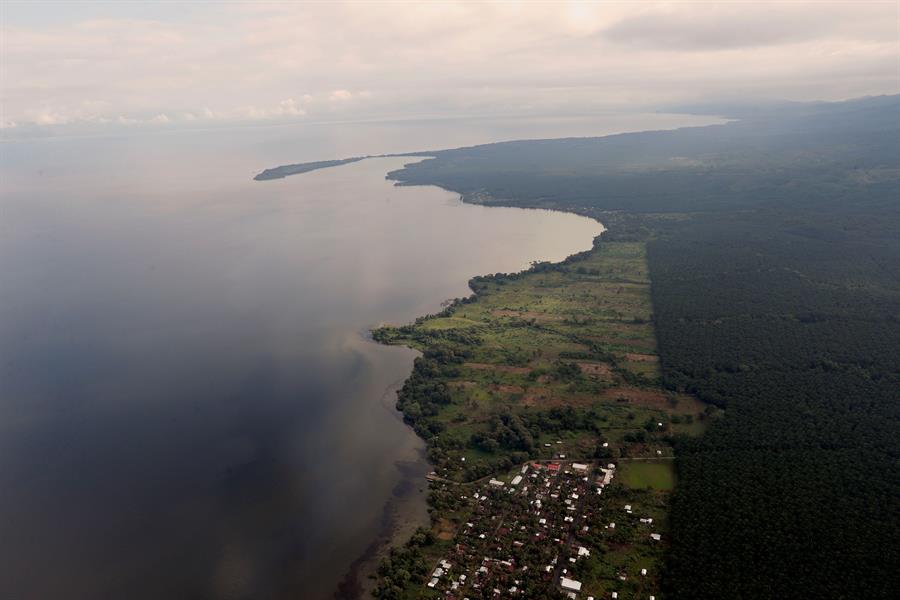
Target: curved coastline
x=407 y=509
x=402 y=514
x=400 y=519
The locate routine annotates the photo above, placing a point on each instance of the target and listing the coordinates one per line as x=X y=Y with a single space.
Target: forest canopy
x=774 y=258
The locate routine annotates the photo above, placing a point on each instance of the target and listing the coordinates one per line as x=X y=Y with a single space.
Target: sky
x=83 y=66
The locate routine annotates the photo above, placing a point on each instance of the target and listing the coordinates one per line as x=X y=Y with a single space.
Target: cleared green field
x=576 y=336
x=647 y=474
x=449 y=323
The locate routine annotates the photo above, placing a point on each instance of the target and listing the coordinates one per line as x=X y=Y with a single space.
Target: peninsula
x=298 y=168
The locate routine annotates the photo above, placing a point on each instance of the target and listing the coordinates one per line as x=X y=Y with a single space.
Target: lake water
x=189 y=404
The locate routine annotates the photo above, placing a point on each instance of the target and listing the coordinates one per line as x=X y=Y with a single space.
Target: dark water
x=189 y=407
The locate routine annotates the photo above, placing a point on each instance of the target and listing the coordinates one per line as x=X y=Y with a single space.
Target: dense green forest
x=773 y=245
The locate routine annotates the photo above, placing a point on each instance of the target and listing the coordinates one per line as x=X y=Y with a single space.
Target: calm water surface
x=189 y=405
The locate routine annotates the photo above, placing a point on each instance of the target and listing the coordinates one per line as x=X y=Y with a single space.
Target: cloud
x=45 y=117
x=340 y=96
x=319 y=61
x=726 y=26
x=291 y=108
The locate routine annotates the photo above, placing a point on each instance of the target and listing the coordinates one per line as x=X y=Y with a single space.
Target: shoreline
x=405 y=511
x=398 y=520
x=397 y=523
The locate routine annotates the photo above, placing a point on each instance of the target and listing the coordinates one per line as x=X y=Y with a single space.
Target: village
x=533 y=534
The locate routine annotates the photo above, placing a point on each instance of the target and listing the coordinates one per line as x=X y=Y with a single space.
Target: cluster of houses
x=523 y=533
x=520 y=532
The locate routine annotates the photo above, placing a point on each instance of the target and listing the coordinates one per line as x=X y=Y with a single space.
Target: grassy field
x=577 y=336
x=647 y=474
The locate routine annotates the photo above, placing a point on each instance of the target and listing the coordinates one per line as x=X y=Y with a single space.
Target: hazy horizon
x=77 y=68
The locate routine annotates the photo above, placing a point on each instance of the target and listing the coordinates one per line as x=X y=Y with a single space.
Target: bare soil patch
x=651 y=398
x=594 y=369
x=537 y=398
x=444 y=530
x=508 y=389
